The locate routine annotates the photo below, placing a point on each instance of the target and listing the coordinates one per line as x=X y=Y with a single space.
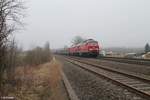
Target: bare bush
x=77 y=39
x=38 y=55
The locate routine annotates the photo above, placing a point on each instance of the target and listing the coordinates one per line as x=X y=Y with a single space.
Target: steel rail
x=128 y=60
x=130 y=74
x=119 y=78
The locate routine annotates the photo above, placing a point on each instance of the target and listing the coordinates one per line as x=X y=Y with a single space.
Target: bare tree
x=10 y=19
x=77 y=39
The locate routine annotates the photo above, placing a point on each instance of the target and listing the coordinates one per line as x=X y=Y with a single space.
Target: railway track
x=128 y=60
x=135 y=84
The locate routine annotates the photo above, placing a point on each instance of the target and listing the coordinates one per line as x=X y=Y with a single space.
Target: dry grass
x=56 y=82
x=41 y=82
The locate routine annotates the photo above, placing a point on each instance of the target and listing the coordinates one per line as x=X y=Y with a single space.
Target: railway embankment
x=90 y=86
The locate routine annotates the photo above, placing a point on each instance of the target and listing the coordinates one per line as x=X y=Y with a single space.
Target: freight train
x=87 y=48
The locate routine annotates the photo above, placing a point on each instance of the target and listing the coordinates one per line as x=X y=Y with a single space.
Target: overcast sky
x=114 y=23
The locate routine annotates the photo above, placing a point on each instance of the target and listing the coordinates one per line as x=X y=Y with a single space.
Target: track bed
x=91 y=84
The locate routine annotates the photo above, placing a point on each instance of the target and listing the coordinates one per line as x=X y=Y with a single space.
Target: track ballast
x=133 y=83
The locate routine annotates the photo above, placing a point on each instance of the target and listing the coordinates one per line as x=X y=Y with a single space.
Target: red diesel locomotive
x=89 y=47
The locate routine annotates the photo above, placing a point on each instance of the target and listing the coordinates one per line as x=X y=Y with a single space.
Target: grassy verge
x=41 y=82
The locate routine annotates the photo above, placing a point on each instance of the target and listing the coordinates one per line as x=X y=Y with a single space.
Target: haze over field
x=114 y=23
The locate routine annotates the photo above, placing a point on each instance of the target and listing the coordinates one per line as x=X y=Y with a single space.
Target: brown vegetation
x=37 y=55
x=42 y=82
x=15 y=58
x=10 y=18
x=32 y=81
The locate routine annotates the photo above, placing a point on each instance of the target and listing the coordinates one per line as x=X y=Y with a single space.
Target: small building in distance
x=146 y=56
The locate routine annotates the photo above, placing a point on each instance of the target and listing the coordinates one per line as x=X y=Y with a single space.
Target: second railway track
x=128 y=60
x=135 y=84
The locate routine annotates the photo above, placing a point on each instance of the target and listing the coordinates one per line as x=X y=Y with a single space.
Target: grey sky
x=113 y=23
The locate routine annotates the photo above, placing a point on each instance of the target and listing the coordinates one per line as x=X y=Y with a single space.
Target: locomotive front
x=93 y=48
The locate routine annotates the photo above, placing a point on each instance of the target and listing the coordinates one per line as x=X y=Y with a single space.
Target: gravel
x=141 y=69
x=89 y=86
